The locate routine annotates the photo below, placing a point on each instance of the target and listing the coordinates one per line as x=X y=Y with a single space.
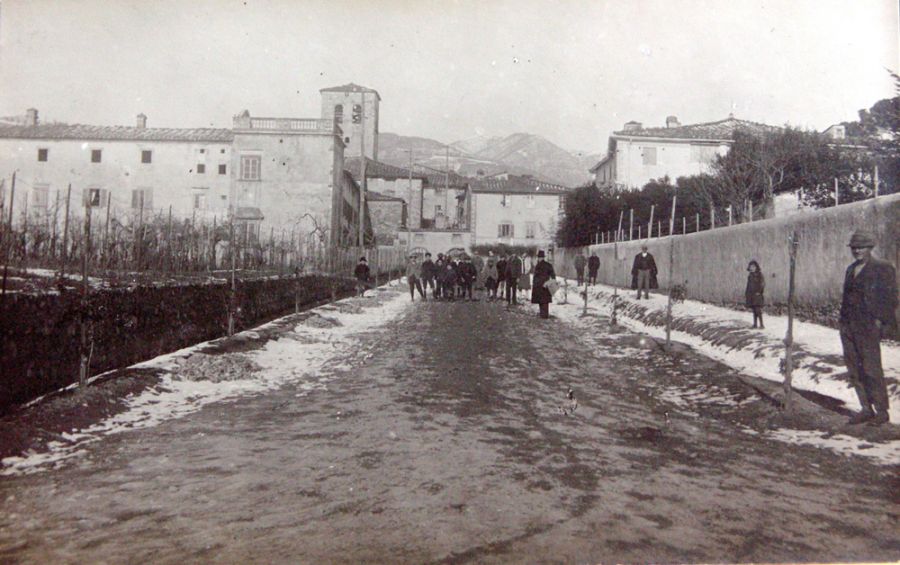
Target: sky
x=570 y=70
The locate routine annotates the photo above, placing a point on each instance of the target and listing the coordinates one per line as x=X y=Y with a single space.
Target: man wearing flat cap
x=867 y=315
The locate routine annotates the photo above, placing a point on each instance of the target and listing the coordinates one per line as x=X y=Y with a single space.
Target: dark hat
x=541 y=254
x=427 y=254
x=861 y=238
x=363 y=259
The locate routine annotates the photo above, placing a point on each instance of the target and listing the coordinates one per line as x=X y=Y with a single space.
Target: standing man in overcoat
x=513 y=272
x=580 y=261
x=540 y=294
x=429 y=272
x=643 y=273
x=868 y=310
x=593 y=267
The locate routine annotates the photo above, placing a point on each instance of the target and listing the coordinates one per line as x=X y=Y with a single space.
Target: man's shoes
x=861 y=417
x=880 y=418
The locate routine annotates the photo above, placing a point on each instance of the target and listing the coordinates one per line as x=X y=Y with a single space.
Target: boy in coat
x=593 y=266
x=513 y=272
x=428 y=274
x=579 y=268
x=868 y=310
x=361 y=272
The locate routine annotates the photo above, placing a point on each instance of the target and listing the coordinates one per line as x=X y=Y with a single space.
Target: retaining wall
x=714 y=263
x=40 y=334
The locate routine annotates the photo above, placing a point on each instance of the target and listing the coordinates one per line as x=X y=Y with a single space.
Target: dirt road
x=448 y=437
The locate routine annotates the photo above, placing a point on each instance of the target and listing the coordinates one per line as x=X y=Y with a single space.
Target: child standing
x=756 y=285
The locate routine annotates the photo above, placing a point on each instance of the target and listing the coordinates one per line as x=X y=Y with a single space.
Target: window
x=40 y=196
x=530 y=229
x=199 y=202
x=222 y=151
x=202 y=151
x=223 y=169
x=250 y=167
x=505 y=230
x=649 y=155
x=144 y=195
x=146 y=156
x=96 y=155
x=562 y=202
x=702 y=154
x=42 y=154
x=93 y=198
x=530 y=201
x=505 y=200
x=357 y=113
x=201 y=169
x=339 y=113
x=438 y=210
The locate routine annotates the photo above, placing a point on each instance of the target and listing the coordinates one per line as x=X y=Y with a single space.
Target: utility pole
x=793 y=242
x=650 y=223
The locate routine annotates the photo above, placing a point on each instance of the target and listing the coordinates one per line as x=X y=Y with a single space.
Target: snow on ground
x=308 y=355
x=758 y=353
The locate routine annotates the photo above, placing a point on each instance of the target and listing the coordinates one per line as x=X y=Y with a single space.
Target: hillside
x=519 y=153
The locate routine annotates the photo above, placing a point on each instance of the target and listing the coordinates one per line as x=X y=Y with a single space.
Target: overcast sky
x=569 y=70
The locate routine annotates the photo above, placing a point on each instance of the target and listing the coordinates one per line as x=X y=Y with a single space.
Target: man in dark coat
x=428 y=274
x=361 y=272
x=439 y=267
x=579 y=267
x=540 y=294
x=501 y=273
x=448 y=280
x=513 y=272
x=593 y=267
x=643 y=273
x=868 y=310
x=467 y=274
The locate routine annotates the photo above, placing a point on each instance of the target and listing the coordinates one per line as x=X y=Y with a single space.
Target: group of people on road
x=499 y=277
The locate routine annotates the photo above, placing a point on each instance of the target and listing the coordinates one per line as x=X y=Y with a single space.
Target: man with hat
x=413 y=273
x=643 y=273
x=362 y=276
x=540 y=294
x=429 y=272
x=867 y=314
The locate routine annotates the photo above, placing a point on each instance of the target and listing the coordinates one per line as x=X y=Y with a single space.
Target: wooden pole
x=212 y=245
x=84 y=319
x=671 y=274
x=362 y=172
x=630 y=223
x=168 y=264
x=876 y=181
x=105 y=251
x=729 y=216
x=65 y=247
x=139 y=234
x=712 y=217
x=698 y=221
x=683 y=225
x=54 y=235
x=793 y=242
x=837 y=197
x=233 y=249
x=8 y=236
x=751 y=210
x=650 y=223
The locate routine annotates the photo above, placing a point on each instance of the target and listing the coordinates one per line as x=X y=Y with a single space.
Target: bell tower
x=355 y=108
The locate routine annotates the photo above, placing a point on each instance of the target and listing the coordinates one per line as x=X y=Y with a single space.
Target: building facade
x=637 y=155
x=517 y=210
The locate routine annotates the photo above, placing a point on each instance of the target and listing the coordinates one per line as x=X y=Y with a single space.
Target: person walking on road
x=413 y=274
x=756 y=285
x=593 y=266
x=361 y=272
x=527 y=270
x=513 y=271
x=540 y=293
x=643 y=273
x=580 y=262
x=428 y=274
x=868 y=310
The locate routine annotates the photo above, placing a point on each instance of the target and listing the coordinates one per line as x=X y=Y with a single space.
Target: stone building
x=516 y=210
x=355 y=109
x=637 y=155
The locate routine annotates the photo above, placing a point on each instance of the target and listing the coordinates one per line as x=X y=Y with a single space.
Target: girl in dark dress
x=756 y=285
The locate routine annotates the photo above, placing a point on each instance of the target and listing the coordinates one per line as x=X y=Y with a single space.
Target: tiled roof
x=379 y=170
x=350 y=87
x=373 y=196
x=722 y=130
x=438 y=179
x=114 y=133
x=517 y=185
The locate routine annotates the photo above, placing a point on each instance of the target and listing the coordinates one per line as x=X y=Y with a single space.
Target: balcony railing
x=295 y=124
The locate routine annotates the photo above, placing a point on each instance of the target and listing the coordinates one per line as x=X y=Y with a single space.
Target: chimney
x=31 y=117
x=141 y=121
x=242 y=120
x=633 y=126
x=672 y=122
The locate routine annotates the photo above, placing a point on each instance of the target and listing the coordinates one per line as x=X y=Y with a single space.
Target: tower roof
x=350 y=87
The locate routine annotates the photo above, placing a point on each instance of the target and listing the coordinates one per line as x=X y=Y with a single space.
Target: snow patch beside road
x=194 y=379
x=725 y=335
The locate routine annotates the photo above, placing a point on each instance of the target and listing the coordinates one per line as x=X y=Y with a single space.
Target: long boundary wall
x=713 y=263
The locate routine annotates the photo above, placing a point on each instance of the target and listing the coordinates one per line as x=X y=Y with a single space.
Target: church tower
x=354 y=106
